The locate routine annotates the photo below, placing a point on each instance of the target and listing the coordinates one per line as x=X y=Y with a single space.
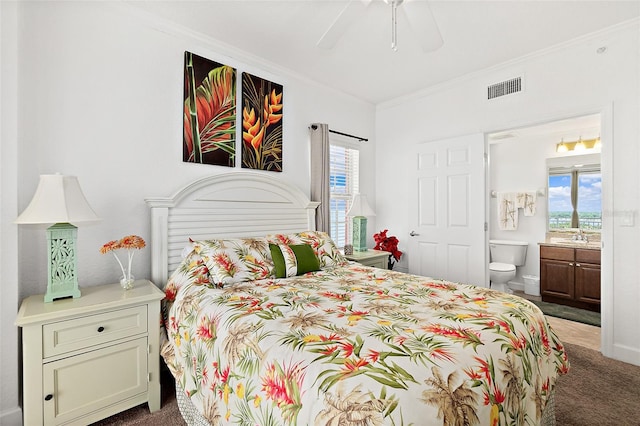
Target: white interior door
x=447 y=210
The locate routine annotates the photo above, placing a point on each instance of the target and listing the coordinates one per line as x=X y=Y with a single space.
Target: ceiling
x=477 y=34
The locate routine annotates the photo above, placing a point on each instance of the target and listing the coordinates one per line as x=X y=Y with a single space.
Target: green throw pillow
x=278 y=261
x=294 y=259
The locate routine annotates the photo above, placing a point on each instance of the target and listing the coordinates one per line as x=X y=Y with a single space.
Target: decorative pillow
x=292 y=260
x=323 y=246
x=191 y=271
x=236 y=260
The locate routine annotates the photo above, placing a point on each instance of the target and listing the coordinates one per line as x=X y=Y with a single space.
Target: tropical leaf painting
x=209 y=135
x=261 y=124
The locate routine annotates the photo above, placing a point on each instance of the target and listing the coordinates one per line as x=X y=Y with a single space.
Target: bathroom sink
x=571 y=241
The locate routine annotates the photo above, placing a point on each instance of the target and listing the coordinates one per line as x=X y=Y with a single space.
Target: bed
x=260 y=333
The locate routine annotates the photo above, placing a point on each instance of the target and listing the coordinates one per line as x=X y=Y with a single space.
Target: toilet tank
x=508 y=251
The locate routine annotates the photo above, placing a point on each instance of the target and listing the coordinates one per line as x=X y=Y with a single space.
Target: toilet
x=506 y=255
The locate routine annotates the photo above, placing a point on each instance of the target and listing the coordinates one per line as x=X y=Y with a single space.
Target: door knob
x=413 y=234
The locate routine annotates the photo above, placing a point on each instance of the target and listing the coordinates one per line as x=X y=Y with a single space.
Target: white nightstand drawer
x=66 y=336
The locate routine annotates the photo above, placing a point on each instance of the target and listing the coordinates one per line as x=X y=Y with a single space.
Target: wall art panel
x=209 y=135
x=261 y=123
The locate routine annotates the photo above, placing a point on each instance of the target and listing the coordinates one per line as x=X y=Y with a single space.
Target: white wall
x=102 y=91
x=10 y=413
x=561 y=82
x=516 y=166
x=100 y=97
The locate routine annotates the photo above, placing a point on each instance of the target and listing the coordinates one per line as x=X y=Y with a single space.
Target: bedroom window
x=579 y=191
x=343 y=182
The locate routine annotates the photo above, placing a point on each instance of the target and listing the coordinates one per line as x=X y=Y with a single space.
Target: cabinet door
x=588 y=283
x=78 y=385
x=557 y=278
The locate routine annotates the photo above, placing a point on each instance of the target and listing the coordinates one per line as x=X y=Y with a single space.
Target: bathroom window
x=575 y=198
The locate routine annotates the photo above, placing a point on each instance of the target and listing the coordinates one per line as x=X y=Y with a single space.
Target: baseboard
x=12 y=417
x=514 y=285
x=625 y=353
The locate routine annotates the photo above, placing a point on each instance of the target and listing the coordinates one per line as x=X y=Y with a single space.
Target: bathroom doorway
x=518 y=163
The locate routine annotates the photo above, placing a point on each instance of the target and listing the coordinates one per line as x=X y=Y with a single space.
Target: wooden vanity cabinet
x=570 y=276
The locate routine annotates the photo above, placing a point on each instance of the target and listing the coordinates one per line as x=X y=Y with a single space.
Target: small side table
x=88 y=358
x=375 y=258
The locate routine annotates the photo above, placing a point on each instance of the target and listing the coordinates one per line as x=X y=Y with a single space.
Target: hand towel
x=507 y=211
x=527 y=202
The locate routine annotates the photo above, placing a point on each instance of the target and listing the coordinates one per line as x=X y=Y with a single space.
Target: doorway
x=518 y=163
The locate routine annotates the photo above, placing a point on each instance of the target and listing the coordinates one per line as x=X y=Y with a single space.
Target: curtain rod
x=314 y=127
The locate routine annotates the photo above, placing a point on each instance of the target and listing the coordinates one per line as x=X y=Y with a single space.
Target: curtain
x=320 y=174
x=574 y=199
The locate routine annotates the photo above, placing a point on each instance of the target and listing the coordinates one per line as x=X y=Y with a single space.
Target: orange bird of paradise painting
x=261 y=124
x=209 y=135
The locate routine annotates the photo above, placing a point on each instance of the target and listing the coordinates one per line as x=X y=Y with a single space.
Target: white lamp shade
x=360 y=207
x=58 y=199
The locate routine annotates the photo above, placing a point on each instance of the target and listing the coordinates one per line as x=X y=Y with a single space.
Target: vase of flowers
x=390 y=244
x=130 y=243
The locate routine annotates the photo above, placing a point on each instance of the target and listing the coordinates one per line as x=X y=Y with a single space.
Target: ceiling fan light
x=417 y=13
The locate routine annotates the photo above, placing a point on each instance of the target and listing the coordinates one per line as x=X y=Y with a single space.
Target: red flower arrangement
x=389 y=244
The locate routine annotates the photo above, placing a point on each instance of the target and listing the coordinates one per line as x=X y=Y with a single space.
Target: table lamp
x=59 y=200
x=358 y=211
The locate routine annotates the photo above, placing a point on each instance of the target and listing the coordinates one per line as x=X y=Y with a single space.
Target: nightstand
x=375 y=258
x=91 y=357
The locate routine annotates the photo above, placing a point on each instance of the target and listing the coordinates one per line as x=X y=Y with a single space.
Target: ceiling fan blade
x=342 y=22
x=423 y=24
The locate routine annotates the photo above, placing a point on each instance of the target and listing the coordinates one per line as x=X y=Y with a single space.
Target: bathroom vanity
x=570 y=274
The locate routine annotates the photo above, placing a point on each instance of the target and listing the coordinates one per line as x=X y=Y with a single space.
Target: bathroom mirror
x=574 y=193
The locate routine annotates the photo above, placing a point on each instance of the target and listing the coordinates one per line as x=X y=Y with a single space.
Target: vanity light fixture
x=598 y=144
x=561 y=147
x=579 y=145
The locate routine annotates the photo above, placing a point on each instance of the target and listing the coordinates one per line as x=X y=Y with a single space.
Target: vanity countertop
x=567 y=242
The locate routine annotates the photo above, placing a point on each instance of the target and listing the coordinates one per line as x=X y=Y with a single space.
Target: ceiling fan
x=417 y=12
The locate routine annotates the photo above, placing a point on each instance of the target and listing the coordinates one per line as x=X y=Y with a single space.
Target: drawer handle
x=570 y=264
x=578 y=265
x=48 y=397
x=100 y=329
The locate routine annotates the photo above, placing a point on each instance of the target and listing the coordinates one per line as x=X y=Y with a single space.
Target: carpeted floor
x=569 y=312
x=598 y=391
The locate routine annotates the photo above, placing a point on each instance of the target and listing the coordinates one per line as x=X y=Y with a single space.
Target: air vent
x=507 y=87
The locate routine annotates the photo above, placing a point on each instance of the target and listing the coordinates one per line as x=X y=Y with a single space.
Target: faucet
x=580 y=236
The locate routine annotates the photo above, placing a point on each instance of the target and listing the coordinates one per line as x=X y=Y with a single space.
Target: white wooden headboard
x=239 y=204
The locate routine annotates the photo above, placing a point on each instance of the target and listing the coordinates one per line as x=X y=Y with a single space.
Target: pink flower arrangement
x=390 y=244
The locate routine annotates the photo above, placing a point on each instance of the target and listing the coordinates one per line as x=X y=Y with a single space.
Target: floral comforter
x=358 y=346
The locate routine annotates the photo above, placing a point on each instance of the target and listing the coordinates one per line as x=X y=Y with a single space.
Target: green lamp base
x=62 y=278
x=359 y=233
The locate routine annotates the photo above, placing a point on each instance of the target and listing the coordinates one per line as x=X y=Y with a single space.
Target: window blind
x=343 y=182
